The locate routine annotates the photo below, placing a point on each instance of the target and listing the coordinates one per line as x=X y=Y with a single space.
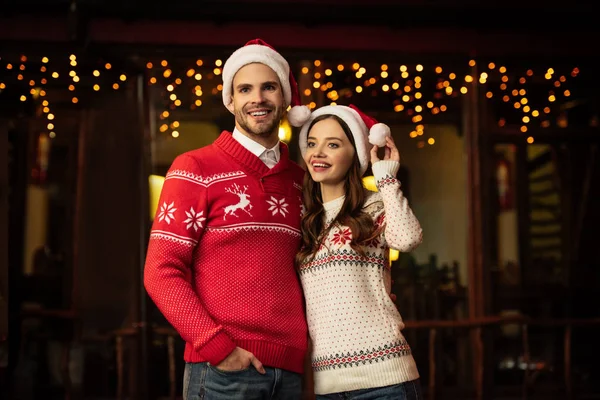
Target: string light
x=410 y=95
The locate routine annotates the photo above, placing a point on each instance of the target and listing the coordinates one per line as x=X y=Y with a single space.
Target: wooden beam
x=297 y=36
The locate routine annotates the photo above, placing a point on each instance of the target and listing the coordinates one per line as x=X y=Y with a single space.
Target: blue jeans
x=404 y=391
x=202 y=381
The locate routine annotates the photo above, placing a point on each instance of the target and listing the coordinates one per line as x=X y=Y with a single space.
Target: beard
x=264 y=128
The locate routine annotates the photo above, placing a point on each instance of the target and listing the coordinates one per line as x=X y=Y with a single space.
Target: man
x=220 y=260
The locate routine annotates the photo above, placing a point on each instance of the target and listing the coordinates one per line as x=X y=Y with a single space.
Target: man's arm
x=177 y=229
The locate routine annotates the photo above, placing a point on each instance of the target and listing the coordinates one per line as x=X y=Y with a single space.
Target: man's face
x=258 y=102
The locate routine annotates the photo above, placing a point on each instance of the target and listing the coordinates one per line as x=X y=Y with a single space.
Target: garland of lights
x=404 y=85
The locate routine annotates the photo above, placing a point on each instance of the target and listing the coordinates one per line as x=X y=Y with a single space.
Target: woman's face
x=329 y=153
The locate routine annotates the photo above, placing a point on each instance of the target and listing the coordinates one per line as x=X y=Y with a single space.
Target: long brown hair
x=351 y=215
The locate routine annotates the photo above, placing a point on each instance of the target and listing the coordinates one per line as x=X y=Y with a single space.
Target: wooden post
x=475 y=253
x=432 y=365
x=4 y=248
x=567 y=356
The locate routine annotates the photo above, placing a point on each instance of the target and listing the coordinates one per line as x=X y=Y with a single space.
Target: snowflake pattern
x=167 y=212
x=375 y=242
x=278 y=206
x=194 y=219
x=342 y=236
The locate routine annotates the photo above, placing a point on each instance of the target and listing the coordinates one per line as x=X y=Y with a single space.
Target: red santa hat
x=258 y=51
x=365 y=130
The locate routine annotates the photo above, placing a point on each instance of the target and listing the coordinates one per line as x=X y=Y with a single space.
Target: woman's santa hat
x=365 y=130
x=258 y=51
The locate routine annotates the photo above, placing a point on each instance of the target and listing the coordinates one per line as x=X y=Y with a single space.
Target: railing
x=474 y=325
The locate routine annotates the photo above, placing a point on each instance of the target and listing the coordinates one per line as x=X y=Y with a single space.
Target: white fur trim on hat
x=357 y=127
x=256 y=53
x=298 y=115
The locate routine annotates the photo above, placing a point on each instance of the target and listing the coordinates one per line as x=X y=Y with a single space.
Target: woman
x=358 y=350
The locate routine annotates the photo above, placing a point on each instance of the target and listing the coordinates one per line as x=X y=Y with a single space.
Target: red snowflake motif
x=373 y=243
x=342 y=236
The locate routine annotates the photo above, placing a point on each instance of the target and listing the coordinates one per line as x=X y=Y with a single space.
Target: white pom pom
x=298 y=115
x=378 y=133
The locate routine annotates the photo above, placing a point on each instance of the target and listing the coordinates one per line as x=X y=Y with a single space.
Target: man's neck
x=267 y=141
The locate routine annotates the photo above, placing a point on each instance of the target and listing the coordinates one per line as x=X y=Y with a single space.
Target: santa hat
x=365 y=130
x=258 y=51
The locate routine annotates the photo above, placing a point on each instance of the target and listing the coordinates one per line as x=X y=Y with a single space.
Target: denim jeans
x=404 y=391
x=203 y=381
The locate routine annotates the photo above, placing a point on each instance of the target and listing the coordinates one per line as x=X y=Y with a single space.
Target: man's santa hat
x=258 y=51
x=366 y=131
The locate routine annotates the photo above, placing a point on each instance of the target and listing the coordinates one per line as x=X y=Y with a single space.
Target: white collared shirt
x=257 y=149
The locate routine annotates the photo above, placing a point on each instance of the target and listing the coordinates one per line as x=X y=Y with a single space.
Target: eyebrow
x=327 y=138
x=247 y=85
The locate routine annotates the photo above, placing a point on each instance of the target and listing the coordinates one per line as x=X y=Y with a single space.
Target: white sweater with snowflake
x=354 y=325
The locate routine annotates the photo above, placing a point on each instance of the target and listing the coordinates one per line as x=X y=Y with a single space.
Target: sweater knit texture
x=220 y=260
x=354 y=325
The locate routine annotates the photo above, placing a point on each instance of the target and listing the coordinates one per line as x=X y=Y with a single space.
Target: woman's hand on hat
x=391 y=152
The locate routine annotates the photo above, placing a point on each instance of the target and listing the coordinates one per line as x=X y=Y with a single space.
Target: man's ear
x=230 y=105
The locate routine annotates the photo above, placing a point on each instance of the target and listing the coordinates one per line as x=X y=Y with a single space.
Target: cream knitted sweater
x=354 y=325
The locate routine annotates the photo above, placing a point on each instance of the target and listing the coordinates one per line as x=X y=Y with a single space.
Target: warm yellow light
x=96 y=73
x=285 y=131
x=530 y=139
x=369 y=183
x=123 y=77
x=394 y=254
x=155 y=183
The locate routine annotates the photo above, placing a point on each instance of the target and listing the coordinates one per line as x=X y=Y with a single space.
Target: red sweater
x=220 y=260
